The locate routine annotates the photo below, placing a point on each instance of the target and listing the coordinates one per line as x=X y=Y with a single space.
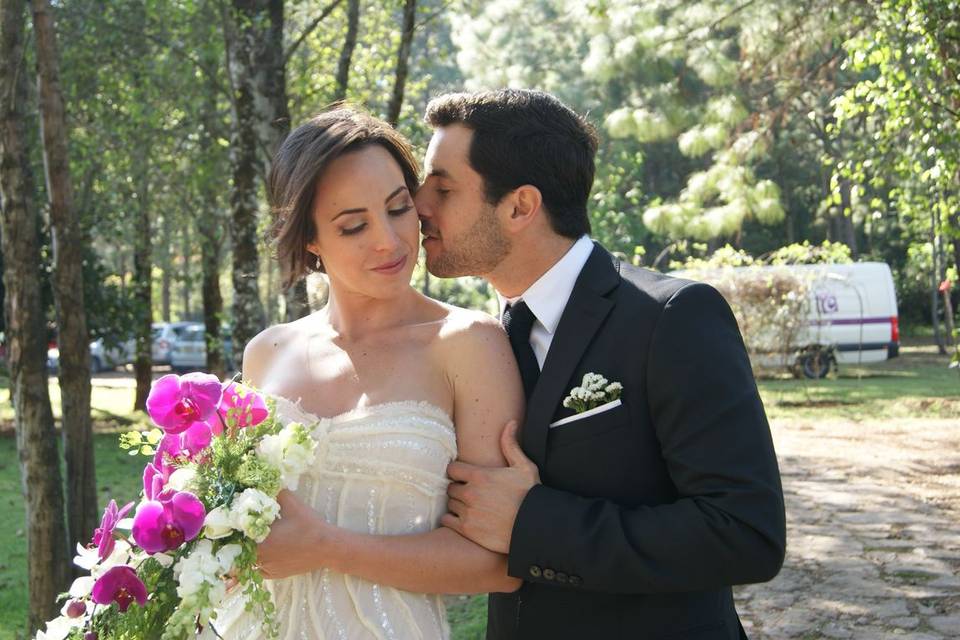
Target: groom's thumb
x=510 y=446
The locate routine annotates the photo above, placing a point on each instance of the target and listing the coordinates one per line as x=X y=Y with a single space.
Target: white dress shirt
x=548 y=296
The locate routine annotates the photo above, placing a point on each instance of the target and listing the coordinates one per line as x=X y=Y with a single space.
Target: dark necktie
x=518 y=320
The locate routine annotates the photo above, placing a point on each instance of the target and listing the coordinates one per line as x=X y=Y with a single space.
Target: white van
x=853 y=316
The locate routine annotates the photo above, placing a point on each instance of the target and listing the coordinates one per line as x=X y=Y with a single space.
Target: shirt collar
x=548 y=296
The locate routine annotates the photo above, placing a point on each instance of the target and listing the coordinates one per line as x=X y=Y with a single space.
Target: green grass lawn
x=916 y=385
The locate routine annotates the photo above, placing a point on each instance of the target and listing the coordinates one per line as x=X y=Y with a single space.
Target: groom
x=631 y=514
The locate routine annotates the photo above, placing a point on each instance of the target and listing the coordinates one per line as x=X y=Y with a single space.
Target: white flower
x=89 y=559
x=253 y=512
x=82 y=587
x=59 y=628
x=291 y=451
x=594 y=390
x=66 y=605
x=218 y=523
x=227 y=555
x=181 y=478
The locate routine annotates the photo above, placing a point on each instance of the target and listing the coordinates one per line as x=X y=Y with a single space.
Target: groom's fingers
x=510 y=447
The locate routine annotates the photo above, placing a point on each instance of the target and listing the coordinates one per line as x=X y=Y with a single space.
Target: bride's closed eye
x=349 y=231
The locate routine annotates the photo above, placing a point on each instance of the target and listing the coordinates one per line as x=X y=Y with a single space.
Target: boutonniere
x=593 y=391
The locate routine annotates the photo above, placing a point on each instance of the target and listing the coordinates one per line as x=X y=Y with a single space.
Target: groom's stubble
x=478 y=251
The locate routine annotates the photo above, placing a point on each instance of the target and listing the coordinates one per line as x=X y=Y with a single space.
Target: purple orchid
x=176 y=403
x=196 y=439
x=241 y=404
x=167 y=521
x=155 y=478
x=184 y=445
x=119 y=584
x=103 y=536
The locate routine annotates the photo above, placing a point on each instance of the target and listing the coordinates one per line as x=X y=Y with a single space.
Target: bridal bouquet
x=218 y=460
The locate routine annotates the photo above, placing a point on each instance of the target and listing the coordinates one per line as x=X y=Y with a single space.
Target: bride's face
x=367 y=228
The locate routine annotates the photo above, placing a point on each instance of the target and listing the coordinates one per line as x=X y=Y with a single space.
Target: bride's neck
x=354 y=316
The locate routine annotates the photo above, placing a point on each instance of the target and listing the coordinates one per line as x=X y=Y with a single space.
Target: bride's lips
x=391 y=268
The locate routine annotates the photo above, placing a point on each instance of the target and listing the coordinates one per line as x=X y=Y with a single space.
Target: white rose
x=270 y=450
x=218 y=523
x=253 y=512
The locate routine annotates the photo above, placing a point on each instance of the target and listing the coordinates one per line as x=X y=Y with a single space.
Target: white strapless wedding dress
x=380 y=470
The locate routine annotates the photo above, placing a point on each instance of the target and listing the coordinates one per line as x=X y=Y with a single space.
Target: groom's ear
x=526 y=204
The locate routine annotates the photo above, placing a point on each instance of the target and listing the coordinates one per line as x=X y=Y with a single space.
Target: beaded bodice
x=381 y=470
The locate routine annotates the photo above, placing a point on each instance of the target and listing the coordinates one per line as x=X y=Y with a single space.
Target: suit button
x=561 y=577
x=549 y=574
x=535 y=571
x=575 y=581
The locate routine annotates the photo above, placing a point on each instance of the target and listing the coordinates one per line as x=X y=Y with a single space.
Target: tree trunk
x=935 y=285
x=209 y=227
x=244 y=29
x=25 y=324
x=68 y=242
x=274 y=89
x=143 y=290
x=403 y=57
x=185 y=275
x=346 y=53
x=846 y=232
x=166 y=265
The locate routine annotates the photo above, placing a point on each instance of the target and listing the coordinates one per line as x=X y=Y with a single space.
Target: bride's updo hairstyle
x=299 y=164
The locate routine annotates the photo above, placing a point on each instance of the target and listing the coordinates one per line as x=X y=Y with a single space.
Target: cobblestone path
x=873 y=516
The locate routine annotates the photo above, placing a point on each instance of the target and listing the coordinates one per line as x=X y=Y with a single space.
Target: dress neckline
x=424 y=406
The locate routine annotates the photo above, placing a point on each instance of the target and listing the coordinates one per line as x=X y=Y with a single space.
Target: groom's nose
x=420 y=201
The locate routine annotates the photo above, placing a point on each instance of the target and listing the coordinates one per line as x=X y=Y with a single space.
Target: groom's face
x=462 y=233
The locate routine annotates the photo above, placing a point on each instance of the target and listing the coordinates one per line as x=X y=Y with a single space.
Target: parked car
x=165 y=335
x=189 y=352
x=102 y=357
x=853 y=317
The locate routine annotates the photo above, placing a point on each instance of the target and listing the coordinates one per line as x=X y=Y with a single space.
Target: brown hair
x=527 y=137
x=300 y=162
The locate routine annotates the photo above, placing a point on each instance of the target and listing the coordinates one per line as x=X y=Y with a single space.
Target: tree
x=26 y=332
x=403 y=57
x=908 y=103
x=68 y=244
x=346 y=53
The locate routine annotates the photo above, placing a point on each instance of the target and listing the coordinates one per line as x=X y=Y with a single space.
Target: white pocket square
x=613 y=404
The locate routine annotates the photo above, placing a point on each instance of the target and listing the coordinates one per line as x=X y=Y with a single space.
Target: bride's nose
x=386 y=238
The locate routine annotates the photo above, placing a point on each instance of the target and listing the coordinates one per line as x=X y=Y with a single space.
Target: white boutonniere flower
x=593 y=391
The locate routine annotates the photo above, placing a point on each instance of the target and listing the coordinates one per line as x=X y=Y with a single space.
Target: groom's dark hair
x=527 y=137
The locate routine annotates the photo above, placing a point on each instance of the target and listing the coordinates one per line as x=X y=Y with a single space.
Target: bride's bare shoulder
x=263 y=348
x=471 y=333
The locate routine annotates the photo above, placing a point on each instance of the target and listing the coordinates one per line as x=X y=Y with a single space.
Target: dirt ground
x=873 y=513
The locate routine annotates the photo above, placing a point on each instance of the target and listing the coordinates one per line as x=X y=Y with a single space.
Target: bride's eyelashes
x=360 y=227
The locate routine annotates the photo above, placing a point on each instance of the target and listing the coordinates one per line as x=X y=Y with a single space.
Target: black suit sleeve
x=727 y=525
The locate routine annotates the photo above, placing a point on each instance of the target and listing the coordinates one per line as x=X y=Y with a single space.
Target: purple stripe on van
x=884 y=320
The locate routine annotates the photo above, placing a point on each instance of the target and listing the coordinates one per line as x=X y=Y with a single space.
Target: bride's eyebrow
x=390 y=197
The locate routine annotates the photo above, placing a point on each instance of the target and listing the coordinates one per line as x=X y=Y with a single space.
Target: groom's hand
x=483 y=501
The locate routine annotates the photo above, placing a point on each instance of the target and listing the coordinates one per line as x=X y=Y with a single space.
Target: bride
x=398 y=386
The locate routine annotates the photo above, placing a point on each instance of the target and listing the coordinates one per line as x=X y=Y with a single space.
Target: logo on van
x=827 y=302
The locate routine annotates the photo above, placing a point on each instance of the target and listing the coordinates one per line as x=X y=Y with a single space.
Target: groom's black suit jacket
x=649 y=512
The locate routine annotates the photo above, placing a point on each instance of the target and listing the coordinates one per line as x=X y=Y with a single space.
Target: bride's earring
x=319 y=263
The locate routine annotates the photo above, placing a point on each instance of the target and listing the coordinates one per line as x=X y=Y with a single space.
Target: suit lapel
x=586 y=310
